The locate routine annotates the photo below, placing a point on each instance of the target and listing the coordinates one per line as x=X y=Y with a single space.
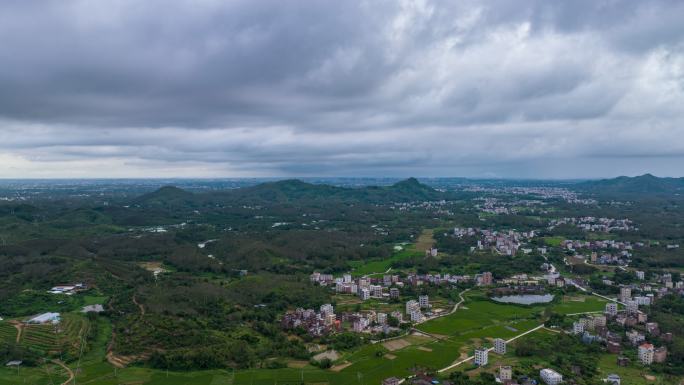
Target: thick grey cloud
x=257 y=88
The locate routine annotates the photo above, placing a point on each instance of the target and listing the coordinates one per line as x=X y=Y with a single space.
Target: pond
x=526 y=299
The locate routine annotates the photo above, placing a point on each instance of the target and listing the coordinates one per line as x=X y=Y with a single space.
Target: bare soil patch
x=339 y=367
x=425 y=241
x=396 y=344
x=297 y=364
x=330 y=354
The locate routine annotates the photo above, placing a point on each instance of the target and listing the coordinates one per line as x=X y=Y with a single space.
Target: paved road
x=421 y=332
x=490 y=349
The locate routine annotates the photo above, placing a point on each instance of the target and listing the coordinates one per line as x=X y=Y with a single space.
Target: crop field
x=635 y=373
x=425 y=241
x=8 y=332
x=553 y=241
x=53 y=339
x=475 y=315
x=380 y=266
x=579 y=304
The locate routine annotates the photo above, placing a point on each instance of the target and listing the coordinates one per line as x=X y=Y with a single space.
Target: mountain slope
x=643 y=184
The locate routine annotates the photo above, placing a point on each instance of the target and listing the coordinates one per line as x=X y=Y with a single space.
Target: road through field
x=490 y=349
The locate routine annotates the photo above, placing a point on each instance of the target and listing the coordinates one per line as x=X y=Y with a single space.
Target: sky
x=216 y=88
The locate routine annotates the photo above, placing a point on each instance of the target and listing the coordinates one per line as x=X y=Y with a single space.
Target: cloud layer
x=286 y=88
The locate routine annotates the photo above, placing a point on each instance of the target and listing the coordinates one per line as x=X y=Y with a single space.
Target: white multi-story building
x=550 y=376
x=505 y=373
x=625 y=293
x=646 y=353
x=632 y=306
x=643 y=300
x=416 y=316
x=481 y=356
x=640 y=275
x=347 y=278
x=599 y=320
x=424 y=301
x=611 y=309
x=577 y=327
x=382 y=318
x=499 y=346
x=364 y=294
x=412 y=305
x=361 y=324
x=327 y=309
x=376 y=291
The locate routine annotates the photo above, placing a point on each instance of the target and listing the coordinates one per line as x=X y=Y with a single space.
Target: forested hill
x=293 y=190
x=644 y=184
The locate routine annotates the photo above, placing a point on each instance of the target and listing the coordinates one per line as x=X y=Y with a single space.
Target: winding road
x=68 y=370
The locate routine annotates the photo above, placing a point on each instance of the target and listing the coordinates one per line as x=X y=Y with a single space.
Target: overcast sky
x=215 y=88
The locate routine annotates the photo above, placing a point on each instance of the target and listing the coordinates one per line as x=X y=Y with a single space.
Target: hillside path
x=68 y=370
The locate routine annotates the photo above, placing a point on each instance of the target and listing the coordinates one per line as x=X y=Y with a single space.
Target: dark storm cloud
x=213 y=88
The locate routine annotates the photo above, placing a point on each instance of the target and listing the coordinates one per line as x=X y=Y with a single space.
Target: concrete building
x=376 y=291
x=394 y=293
x=416 y=316
x=499 y=346
x=625 y=294
x=327 y=309
x=390 y=381
x=640 y=275
x=660 y=355
x=481 y=356
x=599 y=321
x=411 y=306
x=364 y=294
x=646 y=352
x=577 y=327
x=612 y=309
x=424 y=301
x=632 y=306
x=486 y=278
x=382 y=318
x=505 y=373
x=550 y=376
x=613 y=379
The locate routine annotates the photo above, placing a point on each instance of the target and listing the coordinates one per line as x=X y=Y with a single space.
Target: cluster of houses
x=594 y=328
x=623 y=247
x=604 y=225
x=497 y=206
x=541 y=192
x=388 y=286
x=325 y=321
x=502 y=242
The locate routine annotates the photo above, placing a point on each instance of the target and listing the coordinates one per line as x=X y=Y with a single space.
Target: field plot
x=475 y=315
x=425 y=241
x=579 y=304
x=381 y=266
x=8 y=333
x=64 y=338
